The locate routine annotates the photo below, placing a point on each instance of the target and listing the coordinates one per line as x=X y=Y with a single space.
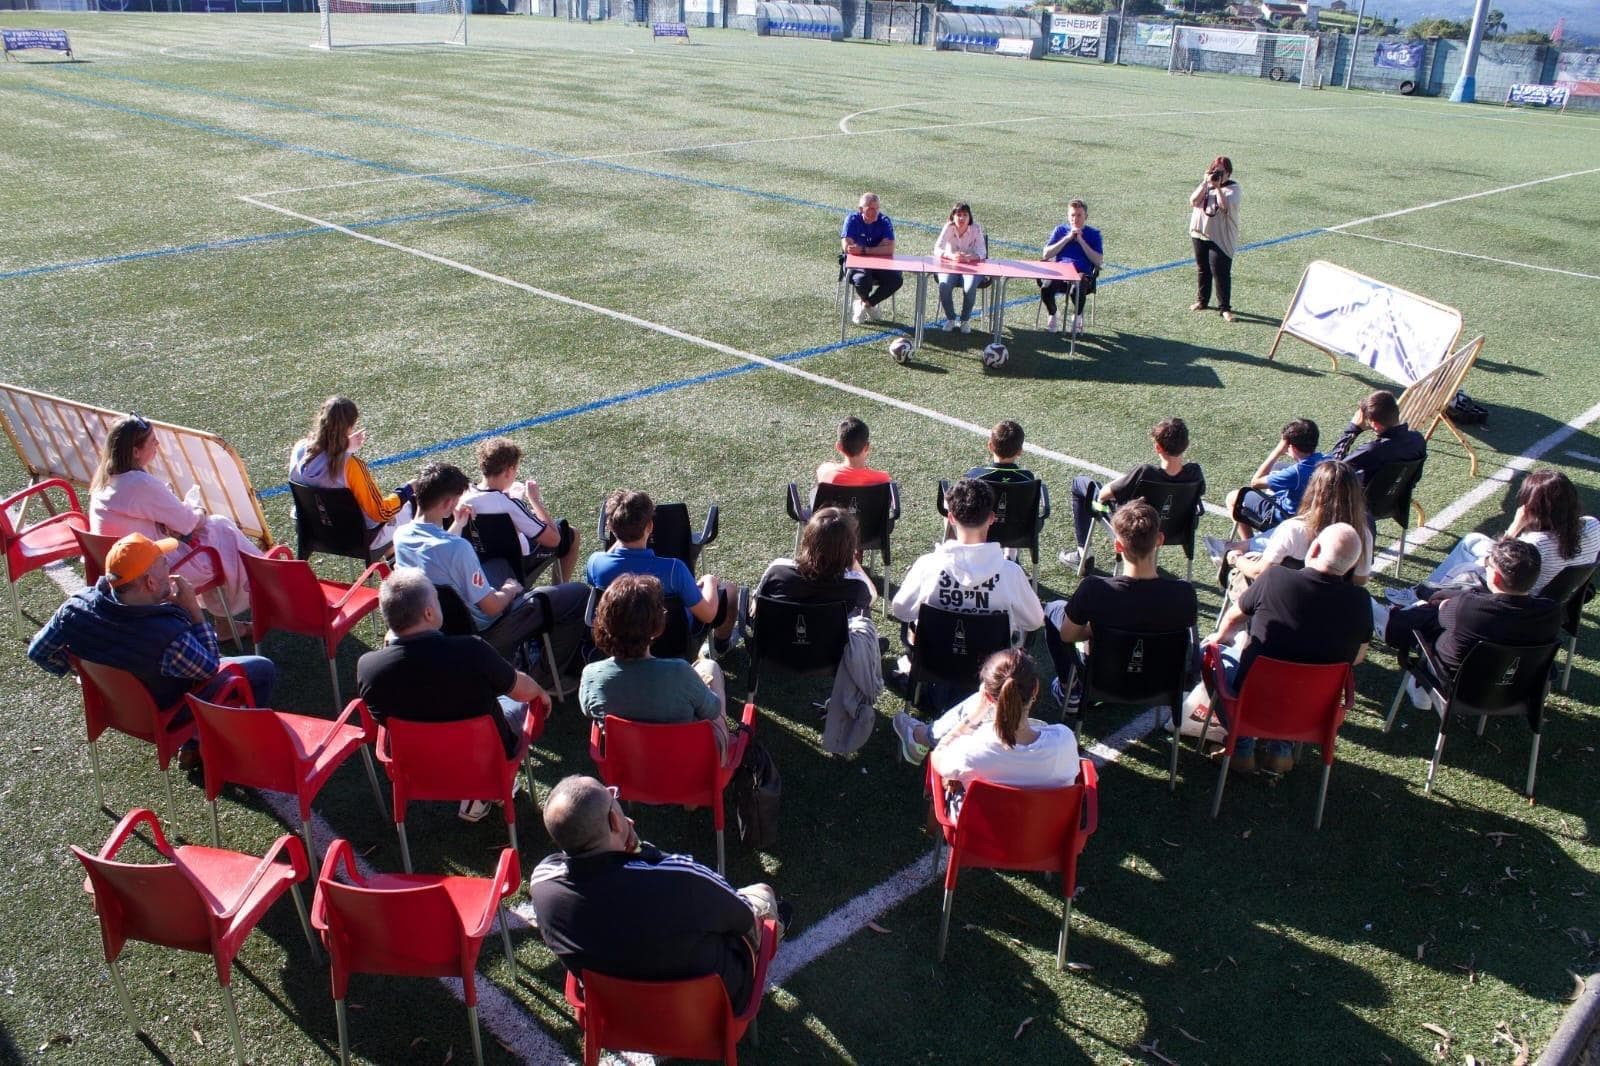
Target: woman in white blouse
x=961 y=241
x=125 y=498
x=994 y=740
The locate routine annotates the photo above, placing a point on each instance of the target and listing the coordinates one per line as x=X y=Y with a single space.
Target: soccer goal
x=363 y=23
x=1251 y=54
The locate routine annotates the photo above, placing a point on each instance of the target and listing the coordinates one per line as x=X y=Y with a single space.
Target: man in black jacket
x=609 y=903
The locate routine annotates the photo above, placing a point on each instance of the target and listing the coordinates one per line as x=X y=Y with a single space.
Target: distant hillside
x=1583 y=16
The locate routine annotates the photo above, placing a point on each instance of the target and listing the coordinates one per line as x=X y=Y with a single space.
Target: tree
x=1437 y=27
x=1085 y=7
x=1495 y=24
x=1528 y=37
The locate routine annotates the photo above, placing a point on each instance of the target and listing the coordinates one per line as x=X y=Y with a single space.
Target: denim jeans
x=1245 y=746
x=947 y=289
x=257 y=669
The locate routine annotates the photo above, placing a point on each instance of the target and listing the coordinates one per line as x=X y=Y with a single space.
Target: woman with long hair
x=960 y=241
x=825 y=568
x=124 y=497
x=1214 y=232
x=1334 y=494
x=990 y=737
x=326 y=458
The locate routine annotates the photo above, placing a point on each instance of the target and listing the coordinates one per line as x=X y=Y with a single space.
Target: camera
x=1217 y=176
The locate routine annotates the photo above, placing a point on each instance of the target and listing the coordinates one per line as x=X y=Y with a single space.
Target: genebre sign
x=1399 y=334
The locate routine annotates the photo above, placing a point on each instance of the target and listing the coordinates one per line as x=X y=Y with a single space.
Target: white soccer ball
x=995 y=356
x=900 y=350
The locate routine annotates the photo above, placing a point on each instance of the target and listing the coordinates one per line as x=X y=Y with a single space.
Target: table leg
x=844 y=307
x=999 y=302
x=922 y=307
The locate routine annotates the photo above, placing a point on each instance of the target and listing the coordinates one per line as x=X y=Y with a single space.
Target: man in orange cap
x=142 y=618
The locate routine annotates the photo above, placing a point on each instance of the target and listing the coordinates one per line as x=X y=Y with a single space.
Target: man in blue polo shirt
x=869 y=232
x=1079 y=243
x=711 y=603
x=504 y=615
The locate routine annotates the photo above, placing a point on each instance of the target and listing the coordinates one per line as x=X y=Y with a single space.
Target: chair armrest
x=1089 y=778
x=573 y=991
x=279 y=551
x=894 y=503
x=507 y=872
x=769 y=948
x=748 y=718
x=797 y=510
x=941 y=811
x=339 y=853
x=237 y=686
x=131 y=821
x=39 y=489
x=597 y=743
x=76 y=519
x=289 y=843
x=379 y=568
x=1044 y=503
x=944 y=490
x=1429 y=661
x=708 y=532
x=532 y=724
x=339 y=723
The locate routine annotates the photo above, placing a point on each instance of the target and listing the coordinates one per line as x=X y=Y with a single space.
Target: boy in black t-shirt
x=1138 y=600
x=1089 y=499
x=1005 y=448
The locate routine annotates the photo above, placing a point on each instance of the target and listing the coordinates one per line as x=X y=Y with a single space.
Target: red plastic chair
x=199 y=899
x=690 y=1019
x=1302 y=702
x=278 y=752
x=409 y=925
x=286 y=594
x=31 y=547
x=670 y=765
x=115 y=699
x=96 y=546
x=454 y=761
x=1005 y=828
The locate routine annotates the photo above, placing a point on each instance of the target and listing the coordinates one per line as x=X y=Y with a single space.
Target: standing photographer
x=1214 y=228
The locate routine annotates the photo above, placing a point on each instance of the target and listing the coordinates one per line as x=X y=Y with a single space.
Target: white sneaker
x=949 y=326
x=1076 y=560
x=1216 y=547
x=1077 y=323
x=474 y=810
x=872 y=312
x=859 y=317
x=1380 y=619
x=1420 y=697
x=1401 y=597
x=912 y=750
x=1051 y=323
x=966 y=326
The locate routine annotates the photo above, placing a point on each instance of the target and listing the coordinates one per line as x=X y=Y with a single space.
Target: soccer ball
x=900 y=350
x=995 y=356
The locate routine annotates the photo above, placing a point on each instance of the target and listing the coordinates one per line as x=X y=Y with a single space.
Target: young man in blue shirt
x=869 y=232
x=1075 y=241
x=1274 y=491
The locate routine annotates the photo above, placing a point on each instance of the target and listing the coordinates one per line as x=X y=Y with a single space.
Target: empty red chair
x=669 y=765
x=409 y=925
x=1302 y=702
x=286 y=594
x=689 y=1019
x=31 y=547
x=199 y=899
x=1004 y=828
x=278 y=752
x=96 y=546
x=115 y=699
x=454 y=761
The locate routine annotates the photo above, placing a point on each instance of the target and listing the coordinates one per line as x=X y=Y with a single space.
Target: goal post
x=367 y=23
x=1248 y=53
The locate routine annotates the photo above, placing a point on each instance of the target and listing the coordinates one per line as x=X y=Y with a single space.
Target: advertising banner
x=1152 y=34
x=1580 y=71
x=1400 y=55
x=1076 y=35
x=1538 y=95
x=1234 y=42
x=1397 y=333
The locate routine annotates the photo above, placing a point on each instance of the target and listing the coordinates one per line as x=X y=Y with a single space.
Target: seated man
x=855 y=447
x=1274 y=494
x=422 y=675
x=1452 y=625
x=1395 y=442
x=611 y=904
x=712 y=604
x=869 y=232
x=510 y=619
x=1005 y=448
x=1076 y=242
x=501 y=493
x=1171 y=437
x=1138 y=600
x=1312 y=615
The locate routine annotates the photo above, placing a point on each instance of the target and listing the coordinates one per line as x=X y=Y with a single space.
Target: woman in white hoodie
x=993 y=738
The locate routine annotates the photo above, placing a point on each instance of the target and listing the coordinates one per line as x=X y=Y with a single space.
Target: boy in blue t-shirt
x=1274 y=494
x=1076 y=242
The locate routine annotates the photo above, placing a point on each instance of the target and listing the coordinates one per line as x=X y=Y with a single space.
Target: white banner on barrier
x=1209 y=40
x=1077 y=25
x=1399 y=334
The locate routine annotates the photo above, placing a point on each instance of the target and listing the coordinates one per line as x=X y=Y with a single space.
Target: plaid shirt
x=194 y=655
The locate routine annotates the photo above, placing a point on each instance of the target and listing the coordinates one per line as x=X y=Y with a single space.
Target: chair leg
x=1061 y=941
x=16 y=605
x=1222 y=783
x=1400 y=563
x=311 y=846
x=505 y=941
x=333 y=675
x=1205 y=731
x=372 y=779
x=172 y=806
x=938 y=849
x=216 y=830
x=344 y=1032
x=233 y=1025
x=1176 y=710
x=1189 y=575
x=1322 y=796
x=555 y=674
x=477 y=1038
x=1394 y=705
x=1566 y=674
x=721 y=856
x=122 y=994
x=944 y=920
x=305 y=923
x=1483 y=720
x=94 y=764
x=1438 y=752
x=405 y=847
x=233 y=628
x=511 y=833
x=1533 y=766
x=527 y=773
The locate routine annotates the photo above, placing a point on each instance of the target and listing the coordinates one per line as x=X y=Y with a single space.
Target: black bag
x=757 y=789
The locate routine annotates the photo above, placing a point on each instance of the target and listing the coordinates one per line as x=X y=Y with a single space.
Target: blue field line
x=272 y=142
x=464 y=138
x=237 y=242
x=733 y=371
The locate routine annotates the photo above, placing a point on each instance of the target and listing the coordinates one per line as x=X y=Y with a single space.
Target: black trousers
x=1212 y=264
x=876 y=286
x=1049 y=292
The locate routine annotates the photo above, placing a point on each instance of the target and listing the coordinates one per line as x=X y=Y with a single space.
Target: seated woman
x=125 y=498
x=825 y=569
x=326 y=459
x=633 y=684
x=1334 y=494
x=960 y=241
x=989 y=736
x=1549 y=516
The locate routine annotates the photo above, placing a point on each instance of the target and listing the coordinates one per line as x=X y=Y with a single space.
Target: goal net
x=1275 y=56
x=360 y=23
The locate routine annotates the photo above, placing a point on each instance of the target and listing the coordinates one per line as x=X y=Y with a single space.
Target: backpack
x=757 y=789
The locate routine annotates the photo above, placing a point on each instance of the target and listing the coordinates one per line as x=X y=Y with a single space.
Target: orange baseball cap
x=131 y=557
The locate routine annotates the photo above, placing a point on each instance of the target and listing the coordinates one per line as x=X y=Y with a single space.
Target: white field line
x=703 y=342
x=1459 y=199
x=1585 y=457
x=844 y=123
x=1468 y=255
x=613 y=156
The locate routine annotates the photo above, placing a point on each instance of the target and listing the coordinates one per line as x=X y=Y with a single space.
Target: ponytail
x=1011 y=683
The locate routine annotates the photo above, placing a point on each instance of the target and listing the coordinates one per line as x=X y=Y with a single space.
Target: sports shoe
x=1077 y=323
x=474 y=810
x=966 y=326
x=1216 y=547
x=1243 y=762
x=1277 y=760
x=859 y=317
x=1051 y=323
x=1420 y=697
x=872 y=312
x=1071 y=704
x=912 y=750
x=1227 y=316
x=949 y=326
x=1401 y=597
x=1076 y=559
